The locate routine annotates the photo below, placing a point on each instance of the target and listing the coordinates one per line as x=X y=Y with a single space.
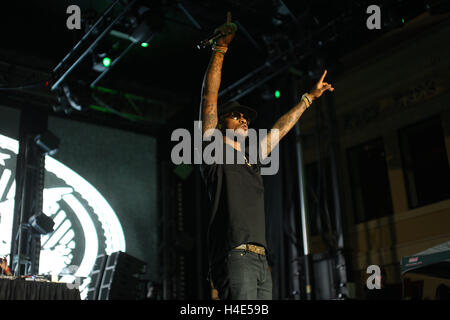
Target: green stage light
x=144 y=44
x=277 y=94
x=106 y=61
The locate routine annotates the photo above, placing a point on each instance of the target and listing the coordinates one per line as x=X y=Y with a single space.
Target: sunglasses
x=237 y=116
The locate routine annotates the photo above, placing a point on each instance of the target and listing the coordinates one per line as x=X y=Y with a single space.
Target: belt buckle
x=251 y=247
x=257 y=249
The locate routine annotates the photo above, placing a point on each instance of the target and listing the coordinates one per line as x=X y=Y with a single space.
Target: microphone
x=207 y=42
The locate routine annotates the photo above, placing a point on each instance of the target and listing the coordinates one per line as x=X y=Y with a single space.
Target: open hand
x=228 y=29
x=321 y=87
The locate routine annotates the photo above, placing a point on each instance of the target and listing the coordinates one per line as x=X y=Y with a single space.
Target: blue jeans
x=242 y=275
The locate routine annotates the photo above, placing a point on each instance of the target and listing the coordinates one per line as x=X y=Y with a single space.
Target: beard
x=241 y=132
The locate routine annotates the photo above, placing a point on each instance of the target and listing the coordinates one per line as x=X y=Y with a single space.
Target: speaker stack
x=117 y=277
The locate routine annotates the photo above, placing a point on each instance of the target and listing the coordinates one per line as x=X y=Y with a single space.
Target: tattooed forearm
x=210 y=91
x=283 y=125
x=211 y=82
x=289 y=119
x=209 y=116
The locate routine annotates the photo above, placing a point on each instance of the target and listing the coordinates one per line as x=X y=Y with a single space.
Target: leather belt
x=253 y=248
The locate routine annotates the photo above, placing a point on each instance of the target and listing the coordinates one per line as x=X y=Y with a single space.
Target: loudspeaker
x=96 y=277
x=121 y=278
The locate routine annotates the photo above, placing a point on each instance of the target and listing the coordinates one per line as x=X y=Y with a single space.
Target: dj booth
x=12 y=288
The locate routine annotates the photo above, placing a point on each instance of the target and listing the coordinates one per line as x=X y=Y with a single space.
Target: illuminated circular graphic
x=85 y=224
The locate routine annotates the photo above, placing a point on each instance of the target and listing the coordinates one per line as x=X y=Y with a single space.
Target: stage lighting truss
x=283 y=55
x=101 y=61
x=132 y=24
x=77 y=96
x=271 y=68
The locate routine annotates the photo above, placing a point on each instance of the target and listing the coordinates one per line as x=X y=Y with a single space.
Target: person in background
x=4 y=266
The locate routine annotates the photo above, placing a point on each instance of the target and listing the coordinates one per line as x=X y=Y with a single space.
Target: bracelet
x=307 y=100
x=221 y=49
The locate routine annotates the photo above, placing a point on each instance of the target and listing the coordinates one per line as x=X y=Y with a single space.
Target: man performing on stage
x=236 y=236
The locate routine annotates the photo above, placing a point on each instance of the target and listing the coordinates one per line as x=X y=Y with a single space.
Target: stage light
x=101 y=61
x=277 y=94
x=76 y=196
x=47 y=142
x=72 y=98
x=106 y=62
x=144 y=44
x=41 y=223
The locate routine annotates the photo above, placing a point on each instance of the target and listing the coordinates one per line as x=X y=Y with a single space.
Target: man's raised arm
x=290 y=118
x=211 y=81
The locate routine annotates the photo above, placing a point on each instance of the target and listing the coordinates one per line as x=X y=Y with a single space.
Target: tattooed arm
x=210 y=91
x=290 y=118
x=211 y=81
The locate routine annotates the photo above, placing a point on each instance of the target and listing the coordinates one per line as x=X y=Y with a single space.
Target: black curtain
x=32 y=290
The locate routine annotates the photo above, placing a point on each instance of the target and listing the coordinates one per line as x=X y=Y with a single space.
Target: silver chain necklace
x=246 y=161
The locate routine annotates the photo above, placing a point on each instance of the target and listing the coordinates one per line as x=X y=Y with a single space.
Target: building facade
x=393 y=123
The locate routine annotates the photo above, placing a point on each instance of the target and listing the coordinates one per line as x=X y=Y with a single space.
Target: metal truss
x=83 y=47
x=102 y=100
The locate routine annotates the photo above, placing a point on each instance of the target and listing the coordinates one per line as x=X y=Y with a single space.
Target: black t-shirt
x=236 y=193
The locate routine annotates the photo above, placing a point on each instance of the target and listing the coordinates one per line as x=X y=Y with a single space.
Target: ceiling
x=171 y=69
